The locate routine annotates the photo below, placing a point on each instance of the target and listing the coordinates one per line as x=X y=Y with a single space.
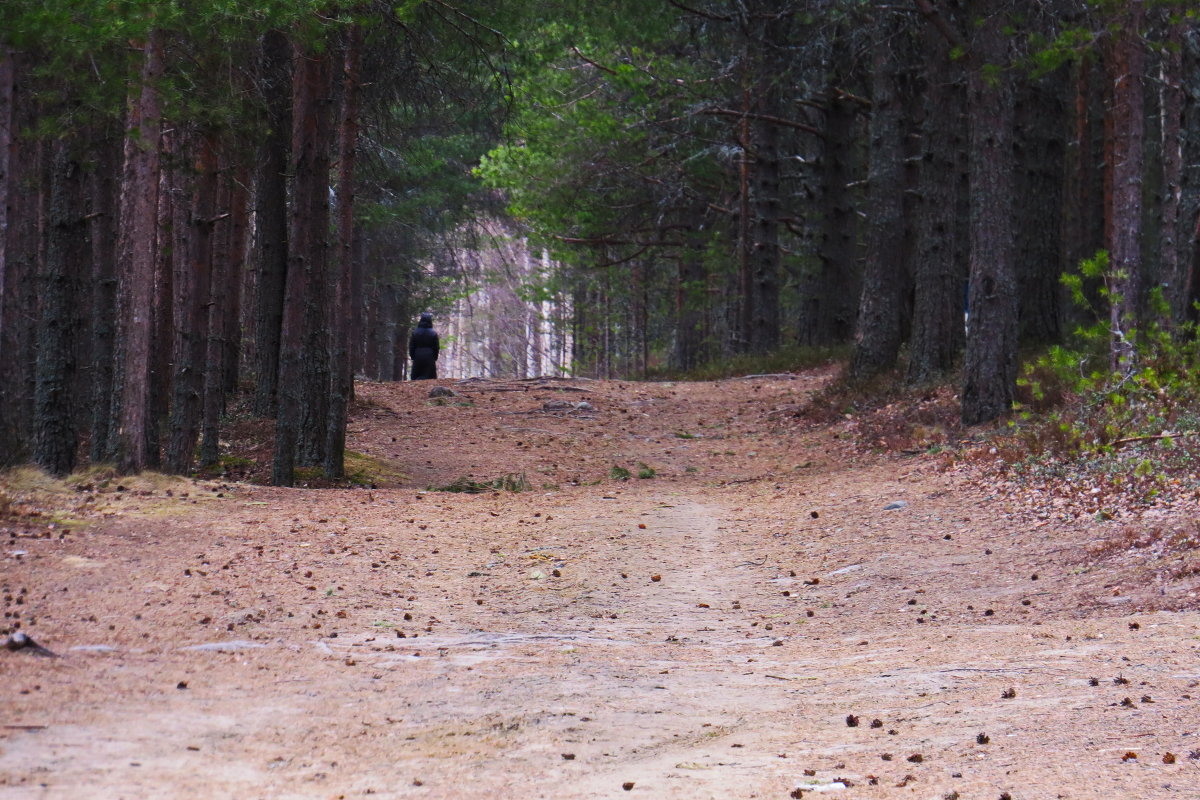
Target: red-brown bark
x=343 y=315
x=1123 y=209
x=137 y=250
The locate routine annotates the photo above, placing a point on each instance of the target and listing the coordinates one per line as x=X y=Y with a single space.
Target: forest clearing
x=698 y=594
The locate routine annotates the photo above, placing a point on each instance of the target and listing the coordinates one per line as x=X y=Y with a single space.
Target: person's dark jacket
x=423 y=349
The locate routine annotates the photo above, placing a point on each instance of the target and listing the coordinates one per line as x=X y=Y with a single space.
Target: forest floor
x=775 y=612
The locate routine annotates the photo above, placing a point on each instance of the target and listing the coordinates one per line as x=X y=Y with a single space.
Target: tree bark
x=765 y=205
x=272 y=220
x=990 y=366
x=9 y=446
x=691 y=284
x=939 y=276
x=1082 y=212
x=1189 y=200
x=104 y=179
x=237 y=229
x=1173 y=238
x=23 y=253
x=1126 y=66
x=7 y=119
x=303 y=397
x=829 y=308
x=221 y=297
x=56 y=438
x=193 y=300
x=136 y=262
x=343 y=315
x=1041 y=125
x=878 y=334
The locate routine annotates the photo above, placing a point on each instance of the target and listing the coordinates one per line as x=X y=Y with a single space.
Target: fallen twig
x=787 y=376
x=1155 y=437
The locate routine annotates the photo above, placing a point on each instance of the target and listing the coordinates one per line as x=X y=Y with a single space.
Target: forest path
x=240 y=641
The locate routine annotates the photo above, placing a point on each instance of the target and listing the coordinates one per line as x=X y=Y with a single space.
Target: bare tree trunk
x=690 y=290
x=221 y=296
x=1082 y=217
x=237 y=230
x=342 y=317
x=745 y=287
x=104 y=211
x=990 y=367
x=56 y=438
x=878 y=336
x=1190 y=180
x=374 y=330
x=764 y=230
x=8 y=446
x=1171 y=100
x=136 y=261
x=173 y=234
x=303 y=311
x=271 y=220
x=1124 y=208
x=23 y=253
x=830 y=300
x=1041 y=125
x=937 y=325
x=7 y=121
x=193 y=304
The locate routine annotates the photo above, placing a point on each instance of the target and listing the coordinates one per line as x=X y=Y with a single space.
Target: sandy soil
x=773 y=613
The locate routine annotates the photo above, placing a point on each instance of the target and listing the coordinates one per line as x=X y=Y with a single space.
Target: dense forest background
x=206 y=203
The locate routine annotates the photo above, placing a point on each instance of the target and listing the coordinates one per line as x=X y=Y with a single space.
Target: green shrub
x=1107 y=389
x=1117 y=409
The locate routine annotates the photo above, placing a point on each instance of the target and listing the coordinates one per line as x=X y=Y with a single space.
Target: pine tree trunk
x=1189 y=201
x=939 y=277
x=1041 y=122
x=829 y=299
x=7 y=120
x=56 y=438
x=878 y=335
x=1082 y=214
x=136 y=263
x=173 y=234
x=237 y=230
x=23 y=250
x=765 y=205
x=373 y=330
x=1126 y=66
x=690 y=286
x=271 y=219
x=990 y=366
x=193 y=304
x=221 y=296
x=1173 y=238
x=104 y=180
x=343 y=316
x=745 y=240
x=301 y=398
x=9 y=447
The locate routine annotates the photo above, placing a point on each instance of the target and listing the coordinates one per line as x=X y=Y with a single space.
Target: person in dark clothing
x=423 y=349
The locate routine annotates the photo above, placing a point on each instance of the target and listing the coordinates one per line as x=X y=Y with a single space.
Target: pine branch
x=1158 y=437
x=699 y=13
x=787 y=123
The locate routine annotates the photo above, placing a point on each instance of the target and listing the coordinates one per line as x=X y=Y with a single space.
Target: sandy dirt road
x=773 y=614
